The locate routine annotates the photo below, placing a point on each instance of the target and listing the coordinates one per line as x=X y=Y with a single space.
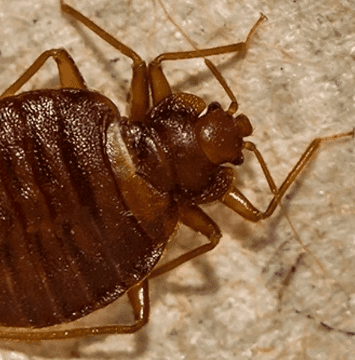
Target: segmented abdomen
x=65 y=234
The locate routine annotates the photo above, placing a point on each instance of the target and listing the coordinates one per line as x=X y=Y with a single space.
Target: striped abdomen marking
x=66 y=236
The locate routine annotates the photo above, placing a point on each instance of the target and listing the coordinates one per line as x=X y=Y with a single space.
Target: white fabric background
x=295 y=83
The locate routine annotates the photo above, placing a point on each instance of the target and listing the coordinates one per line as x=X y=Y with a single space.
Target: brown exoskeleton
x=90 y=198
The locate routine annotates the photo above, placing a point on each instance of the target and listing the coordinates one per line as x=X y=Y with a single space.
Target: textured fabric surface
x=295 y=83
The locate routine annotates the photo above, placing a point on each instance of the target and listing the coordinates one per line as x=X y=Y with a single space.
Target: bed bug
x=90 y=198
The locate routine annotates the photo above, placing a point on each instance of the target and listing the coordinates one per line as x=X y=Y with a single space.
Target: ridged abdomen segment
x=68 y=244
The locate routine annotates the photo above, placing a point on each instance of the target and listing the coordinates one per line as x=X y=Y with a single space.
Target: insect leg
x=139 y=299
x=159 y=84
x=193 y=217
x=241 y=205
x=69 y=74
x=139 y=84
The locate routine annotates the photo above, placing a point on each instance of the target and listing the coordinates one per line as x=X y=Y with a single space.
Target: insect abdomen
x=65 y=233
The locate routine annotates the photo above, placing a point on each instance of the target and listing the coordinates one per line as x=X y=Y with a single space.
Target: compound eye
x=238 y=161
x=214 y=106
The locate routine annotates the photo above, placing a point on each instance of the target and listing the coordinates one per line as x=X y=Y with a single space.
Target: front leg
x=242 y=206
x=193 y=217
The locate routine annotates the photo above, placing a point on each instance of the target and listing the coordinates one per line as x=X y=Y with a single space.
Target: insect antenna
x=233 y=107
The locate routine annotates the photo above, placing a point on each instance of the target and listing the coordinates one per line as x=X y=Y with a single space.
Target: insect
x=90 y=198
